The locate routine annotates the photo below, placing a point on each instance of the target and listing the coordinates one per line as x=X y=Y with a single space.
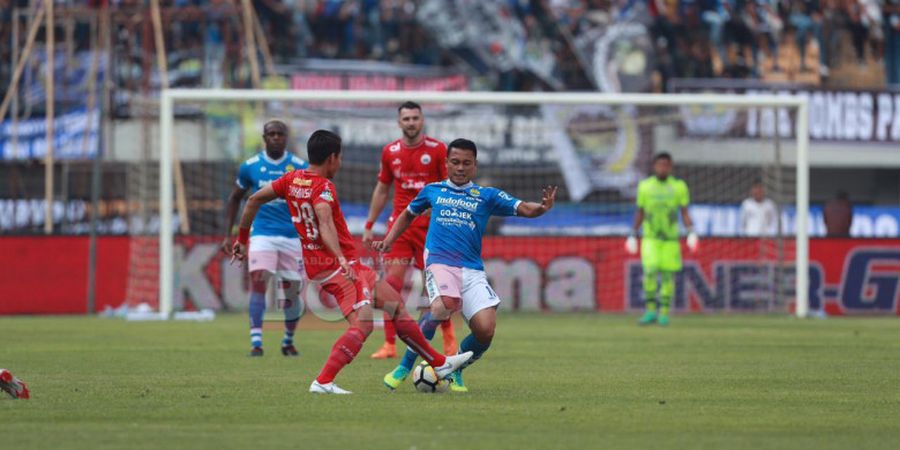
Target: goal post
x=170 y=98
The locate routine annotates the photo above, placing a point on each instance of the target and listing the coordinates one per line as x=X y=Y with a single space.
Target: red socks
x=343 y=351
x=411 y=334
x=390 y=333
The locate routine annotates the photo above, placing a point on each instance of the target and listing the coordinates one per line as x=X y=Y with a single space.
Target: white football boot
x=327 y=388
x=453 y=362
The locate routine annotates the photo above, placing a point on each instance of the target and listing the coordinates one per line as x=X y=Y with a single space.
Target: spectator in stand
x=838 y=215
x=738 y=32
x=6 y=19
x=806 y=18
x=892 y=41
x=302 y=35
x=759 y=215
x=858 y=31
x=872 y=19
x=767 y=24
x=715 y=15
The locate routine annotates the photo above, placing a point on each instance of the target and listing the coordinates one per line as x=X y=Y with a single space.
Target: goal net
x=743 y=158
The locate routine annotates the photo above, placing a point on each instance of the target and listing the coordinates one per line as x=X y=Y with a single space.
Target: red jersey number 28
x=308 y=217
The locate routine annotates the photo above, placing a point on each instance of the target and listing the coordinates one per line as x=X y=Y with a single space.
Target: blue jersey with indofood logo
x=273 y=218
x=459 y=215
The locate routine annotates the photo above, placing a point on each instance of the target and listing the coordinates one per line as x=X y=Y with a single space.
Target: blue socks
x=257 y=309
x=429 y=327
x=477 y=349
x=291 y=317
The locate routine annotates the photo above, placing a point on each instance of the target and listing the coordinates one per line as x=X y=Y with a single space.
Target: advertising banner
x=845 y=115
x=76 y=136
x=847 y=276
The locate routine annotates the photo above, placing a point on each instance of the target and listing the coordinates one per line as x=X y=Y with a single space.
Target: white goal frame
x=169 y=97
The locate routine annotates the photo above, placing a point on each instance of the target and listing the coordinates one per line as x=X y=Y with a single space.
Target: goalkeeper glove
x=631 y=245
x=693 y=242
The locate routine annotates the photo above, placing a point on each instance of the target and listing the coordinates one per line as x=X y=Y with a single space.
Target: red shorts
x=351 y=295
x=410 y=246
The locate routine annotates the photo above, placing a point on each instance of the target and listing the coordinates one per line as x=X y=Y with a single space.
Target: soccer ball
x=426 y=380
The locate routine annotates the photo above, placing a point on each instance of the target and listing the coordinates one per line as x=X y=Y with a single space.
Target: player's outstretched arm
x=234 y=204
x=376 y=206
x=532 y=209
x=261 y=197
x=329 y=235
x=400 y=225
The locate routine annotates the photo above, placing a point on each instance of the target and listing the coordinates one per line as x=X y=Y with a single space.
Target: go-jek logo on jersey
x=457 y=203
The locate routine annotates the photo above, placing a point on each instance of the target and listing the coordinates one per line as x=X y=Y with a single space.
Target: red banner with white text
x=49 y=275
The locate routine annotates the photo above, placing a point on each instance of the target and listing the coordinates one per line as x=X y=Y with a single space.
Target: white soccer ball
x=426 y=380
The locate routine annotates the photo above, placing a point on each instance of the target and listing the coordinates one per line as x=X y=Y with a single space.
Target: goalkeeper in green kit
x=660 y=198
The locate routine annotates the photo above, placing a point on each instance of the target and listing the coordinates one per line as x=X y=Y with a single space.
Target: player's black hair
x=463 y=144
x=409 y=105
x=321 y=145
x=662 y=155
x=274 y=122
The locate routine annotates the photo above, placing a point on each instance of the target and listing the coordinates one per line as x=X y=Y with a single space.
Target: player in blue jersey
x=454 y=271
x=274 y=253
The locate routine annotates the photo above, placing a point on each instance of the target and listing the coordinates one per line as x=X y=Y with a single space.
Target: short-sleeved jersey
x=412 y=168
x=273 y=218
x=303 y=190
x=661 y=202
x=459 y=215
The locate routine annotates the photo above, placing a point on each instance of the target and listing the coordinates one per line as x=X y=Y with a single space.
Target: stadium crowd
x=544 y=38
x=705 y=38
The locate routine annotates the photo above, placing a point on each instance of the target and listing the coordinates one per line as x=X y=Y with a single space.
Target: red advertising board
x=48 y=275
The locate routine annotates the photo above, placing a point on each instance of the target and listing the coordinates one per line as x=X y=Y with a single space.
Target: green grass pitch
x=549 y=381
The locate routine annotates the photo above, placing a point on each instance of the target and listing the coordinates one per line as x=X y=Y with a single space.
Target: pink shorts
x=276 y=254
x=469 y=285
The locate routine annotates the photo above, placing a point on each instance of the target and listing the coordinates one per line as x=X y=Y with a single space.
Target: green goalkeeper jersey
x=661 y=202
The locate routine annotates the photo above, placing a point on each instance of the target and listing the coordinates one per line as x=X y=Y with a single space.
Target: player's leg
x=291 y=283
x=293 y=308
x=666 y=291
x=650 y=263
x=449 y=336
x=259 y=282
x=670 y=264
x=443 y=285
x=395 y=271
x=387 y=299
x=479 y=308
x=263 y=266
x=357 y=309
x=482 y=326
x=417 y=237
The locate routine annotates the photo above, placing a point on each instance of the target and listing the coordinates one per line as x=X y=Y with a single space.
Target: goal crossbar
x=169 y=97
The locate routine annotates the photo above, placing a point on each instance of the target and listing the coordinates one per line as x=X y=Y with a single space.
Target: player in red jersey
x=409 y=163
x=331 y=259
